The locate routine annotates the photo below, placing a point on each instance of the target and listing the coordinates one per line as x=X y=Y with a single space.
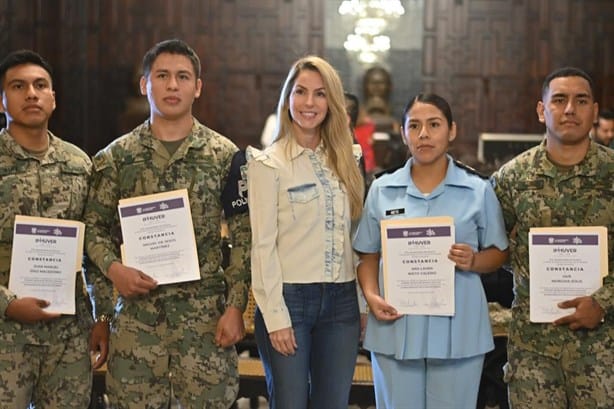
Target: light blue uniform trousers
x=426 y=383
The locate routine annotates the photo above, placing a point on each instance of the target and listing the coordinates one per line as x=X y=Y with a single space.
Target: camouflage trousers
x=50 y=377
x=582 y=377
x=171 y=364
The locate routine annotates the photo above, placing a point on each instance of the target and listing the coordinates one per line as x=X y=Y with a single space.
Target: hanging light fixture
x=387 y=9
x=367 y=48
x=370 y=18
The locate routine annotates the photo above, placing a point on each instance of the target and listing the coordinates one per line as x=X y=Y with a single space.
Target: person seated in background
x=603 y=129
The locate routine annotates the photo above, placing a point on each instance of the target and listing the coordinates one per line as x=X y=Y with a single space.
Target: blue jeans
x=326 y=324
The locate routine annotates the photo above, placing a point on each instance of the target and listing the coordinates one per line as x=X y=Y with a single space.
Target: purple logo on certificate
x=565 y=239
x=42 y=230
x=153 y=207
x=419 y=232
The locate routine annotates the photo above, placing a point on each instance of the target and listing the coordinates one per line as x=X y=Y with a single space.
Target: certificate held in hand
x=564 y=263
x=45 y=258
x=159 y=237
x=418 y=275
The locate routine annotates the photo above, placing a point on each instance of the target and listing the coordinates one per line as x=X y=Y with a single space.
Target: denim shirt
x=300 y=219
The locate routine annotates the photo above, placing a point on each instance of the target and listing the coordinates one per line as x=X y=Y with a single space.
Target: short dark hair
x=606 y=113
x=567 y=72
x=352 y=106
x=433 y=99
x=21 y=57
x=173 y=46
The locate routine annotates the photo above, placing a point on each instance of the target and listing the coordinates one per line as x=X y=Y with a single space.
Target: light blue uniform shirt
x=478 y=222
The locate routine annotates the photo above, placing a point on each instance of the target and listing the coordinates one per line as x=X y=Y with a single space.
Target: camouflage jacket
x=535 y=193
x=55 y=187
x=138 y=164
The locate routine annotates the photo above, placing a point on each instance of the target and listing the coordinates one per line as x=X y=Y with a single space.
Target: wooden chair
x=251 y=373
x=248 y=343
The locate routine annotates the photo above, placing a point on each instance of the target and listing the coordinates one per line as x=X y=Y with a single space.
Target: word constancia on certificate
x=159 y=237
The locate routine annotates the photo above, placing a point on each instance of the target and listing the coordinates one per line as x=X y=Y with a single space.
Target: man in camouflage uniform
x=186 y=329
x=566 y=181
x=44 y=357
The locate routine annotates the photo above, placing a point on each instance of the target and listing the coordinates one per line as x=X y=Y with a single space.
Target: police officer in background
x=44 y=356
x=565 y=181
x=603 y=129
x=187 y=329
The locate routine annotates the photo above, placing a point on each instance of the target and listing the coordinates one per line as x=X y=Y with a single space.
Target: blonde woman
x=304 y=192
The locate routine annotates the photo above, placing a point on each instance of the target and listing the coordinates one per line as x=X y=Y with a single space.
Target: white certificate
x=564 y=263
x=45 y=258
x=158 y=236
x=418 y=276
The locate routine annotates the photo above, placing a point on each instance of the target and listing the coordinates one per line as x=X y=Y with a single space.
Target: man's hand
x=230 y=327
x=588 y=313
x=129 y=281
x=283 y=341
x=29 y=310
x=99 y=343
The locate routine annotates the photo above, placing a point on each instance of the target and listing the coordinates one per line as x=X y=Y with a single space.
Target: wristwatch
x=106 y=318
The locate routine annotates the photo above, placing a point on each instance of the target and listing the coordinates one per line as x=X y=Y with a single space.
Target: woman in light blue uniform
x=422 y=361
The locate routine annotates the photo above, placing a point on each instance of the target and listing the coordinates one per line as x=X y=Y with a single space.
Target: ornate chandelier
x=370 y=19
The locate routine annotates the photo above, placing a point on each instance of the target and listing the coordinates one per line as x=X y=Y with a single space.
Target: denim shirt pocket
x=304 y=200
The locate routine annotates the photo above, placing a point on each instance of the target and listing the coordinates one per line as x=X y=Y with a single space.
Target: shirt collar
x=549 y=168
x=19 y=152
x=295 y=150
x=402 y=178
x=194 y=138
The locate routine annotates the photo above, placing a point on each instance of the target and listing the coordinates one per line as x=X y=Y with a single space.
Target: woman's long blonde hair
x=334 y=130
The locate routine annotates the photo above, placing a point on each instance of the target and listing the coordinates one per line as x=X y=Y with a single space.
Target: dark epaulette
x=469 y=169
x=388 y=170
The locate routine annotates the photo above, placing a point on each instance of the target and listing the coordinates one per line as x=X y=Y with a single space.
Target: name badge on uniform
x=394 y=212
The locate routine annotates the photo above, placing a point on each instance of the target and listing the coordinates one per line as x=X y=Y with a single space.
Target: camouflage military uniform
x=542 y=357
x=46 y=362
x=172 y=329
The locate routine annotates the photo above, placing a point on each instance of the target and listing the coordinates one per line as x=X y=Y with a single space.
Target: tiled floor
x=243 y=403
